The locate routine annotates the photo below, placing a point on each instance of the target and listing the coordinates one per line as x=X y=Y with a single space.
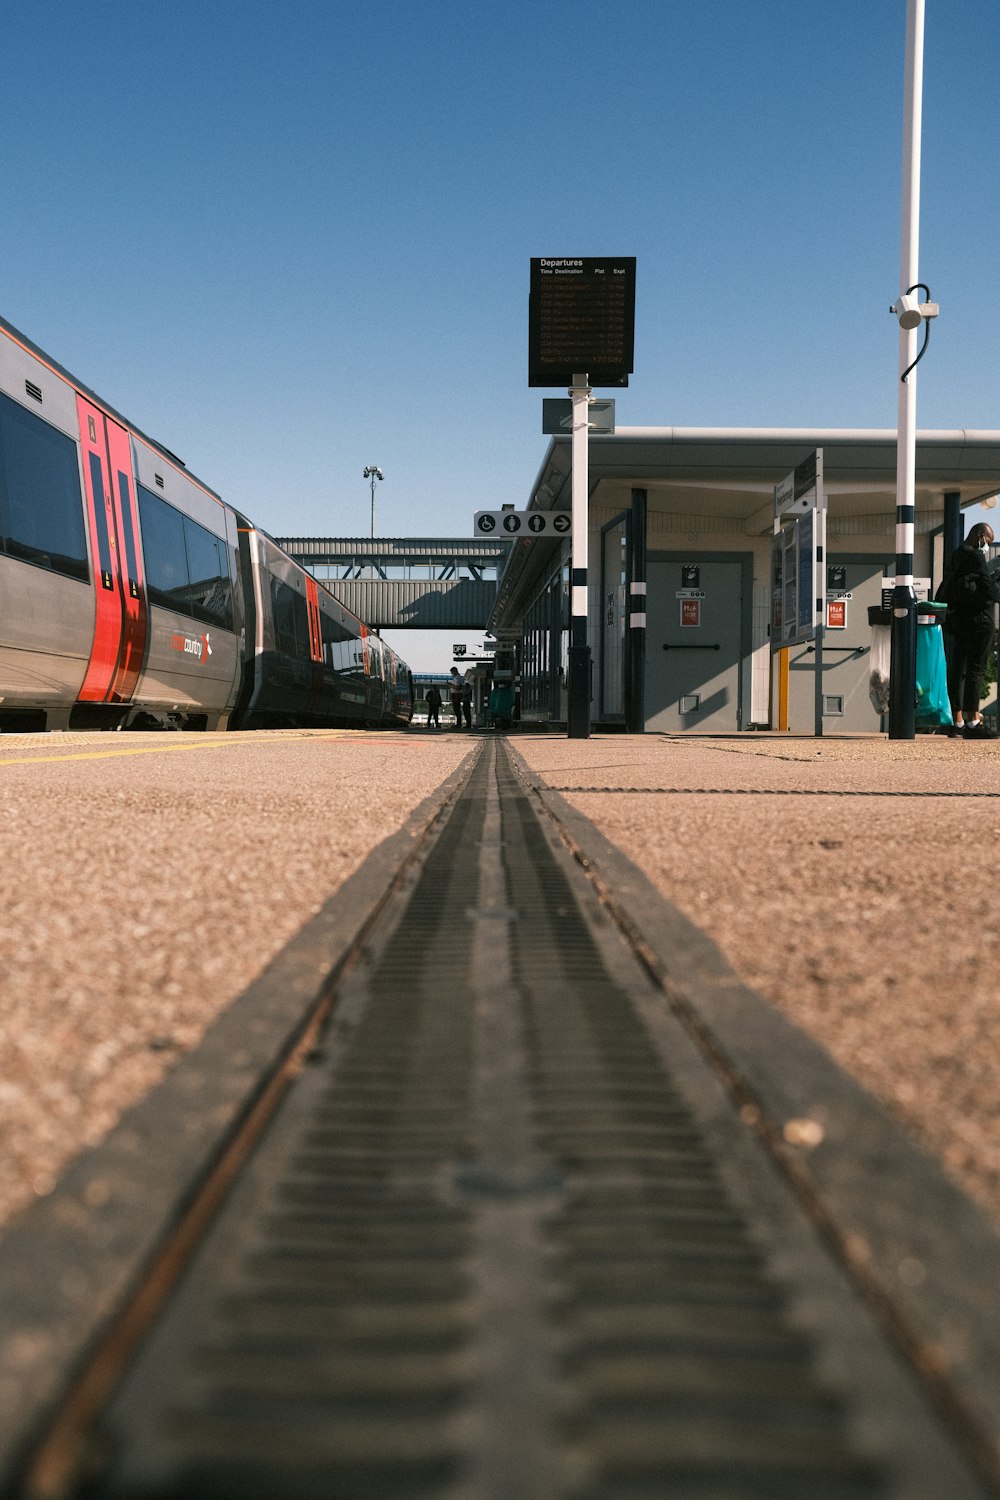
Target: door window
x=101 y=517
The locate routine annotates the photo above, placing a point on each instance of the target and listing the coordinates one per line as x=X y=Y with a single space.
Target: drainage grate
x=686 y=1375
x=760 y=791
x=485 y=1253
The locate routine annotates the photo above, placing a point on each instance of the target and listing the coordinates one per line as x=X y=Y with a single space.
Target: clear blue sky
x=289 y=239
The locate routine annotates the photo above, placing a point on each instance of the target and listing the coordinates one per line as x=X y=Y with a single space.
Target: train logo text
x=198 y=645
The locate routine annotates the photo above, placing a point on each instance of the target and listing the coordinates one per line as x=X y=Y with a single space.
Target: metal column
x=635 y=677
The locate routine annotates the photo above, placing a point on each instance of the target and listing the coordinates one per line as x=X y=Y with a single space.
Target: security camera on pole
x=911 y=313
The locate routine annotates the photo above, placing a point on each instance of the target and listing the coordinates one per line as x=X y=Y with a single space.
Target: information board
x=581 y=320
x=805 y=573
x=799 y=547
x=794 y=582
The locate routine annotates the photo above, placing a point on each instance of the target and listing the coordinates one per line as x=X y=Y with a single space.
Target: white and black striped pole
x=578 y=697
x=635 y=696
x=903 y=675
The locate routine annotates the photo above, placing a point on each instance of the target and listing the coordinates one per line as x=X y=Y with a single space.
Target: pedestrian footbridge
x=410 y=583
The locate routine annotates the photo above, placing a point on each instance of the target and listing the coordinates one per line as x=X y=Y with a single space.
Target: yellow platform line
x=202 y=743
x=31 y=760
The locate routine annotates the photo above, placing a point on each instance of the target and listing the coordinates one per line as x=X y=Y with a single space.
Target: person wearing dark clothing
x=433 y=707
x=456 y=689
x=467 y=703
x=970 y=592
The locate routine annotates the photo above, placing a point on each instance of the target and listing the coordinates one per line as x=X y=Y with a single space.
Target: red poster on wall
x=690 y=611
x=836 y=614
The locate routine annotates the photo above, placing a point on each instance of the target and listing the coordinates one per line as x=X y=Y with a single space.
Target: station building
x=693 y=510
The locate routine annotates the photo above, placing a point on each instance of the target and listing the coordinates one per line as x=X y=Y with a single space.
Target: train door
x=120 y=621
x=614 y=577
x=695 y=638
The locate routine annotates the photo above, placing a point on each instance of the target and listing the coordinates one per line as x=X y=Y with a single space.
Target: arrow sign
x=557 y=416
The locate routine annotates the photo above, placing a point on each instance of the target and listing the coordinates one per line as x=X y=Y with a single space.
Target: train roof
x=98 y=401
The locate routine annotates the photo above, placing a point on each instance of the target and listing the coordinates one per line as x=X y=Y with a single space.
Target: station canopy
x=730 y=474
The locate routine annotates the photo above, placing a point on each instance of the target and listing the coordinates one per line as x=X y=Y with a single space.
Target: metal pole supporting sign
x=819 y=595
x=581 y=328
x=578 y=697
x=903 y=672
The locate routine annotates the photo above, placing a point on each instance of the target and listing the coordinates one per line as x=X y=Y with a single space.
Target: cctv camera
x=907 y=310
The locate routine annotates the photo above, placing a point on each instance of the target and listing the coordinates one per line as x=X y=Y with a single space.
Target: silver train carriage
x=311 y=660
x=131 y=595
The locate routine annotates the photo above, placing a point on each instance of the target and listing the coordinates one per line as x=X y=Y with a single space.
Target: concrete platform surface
x=851 y=882
x=147 y=880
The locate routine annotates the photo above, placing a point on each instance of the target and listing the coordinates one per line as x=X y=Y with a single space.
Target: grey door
x=846 y=652
x=694 y=646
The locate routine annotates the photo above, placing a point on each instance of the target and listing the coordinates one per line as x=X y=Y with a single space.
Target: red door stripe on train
x=120 y=614
x=133 y=584
x=315 y=645
x=312 y=610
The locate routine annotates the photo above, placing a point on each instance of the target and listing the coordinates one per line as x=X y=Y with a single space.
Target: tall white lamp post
x=902 y=683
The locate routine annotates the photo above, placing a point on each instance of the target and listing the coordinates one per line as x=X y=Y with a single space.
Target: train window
x=336 y=643
x=283 y=609
x=187 y=566
x=375 y=656
x=41 y=507
x=211 y=592
x=291 y=619
x=163 y=552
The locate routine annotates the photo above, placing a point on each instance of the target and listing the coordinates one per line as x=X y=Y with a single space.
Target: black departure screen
x=581 y=320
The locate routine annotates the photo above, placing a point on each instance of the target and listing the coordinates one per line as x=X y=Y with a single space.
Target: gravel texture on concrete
x=851 y=882
x=145 y=881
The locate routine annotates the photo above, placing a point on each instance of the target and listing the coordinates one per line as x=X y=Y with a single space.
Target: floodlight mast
x=903 y=675
x=373 y=472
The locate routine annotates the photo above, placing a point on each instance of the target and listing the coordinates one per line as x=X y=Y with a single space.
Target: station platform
x=556 y=1145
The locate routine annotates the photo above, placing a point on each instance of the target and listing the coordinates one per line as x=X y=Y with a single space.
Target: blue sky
x=292 y=239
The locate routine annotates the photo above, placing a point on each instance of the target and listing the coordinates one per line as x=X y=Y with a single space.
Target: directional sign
x=533 y=524
x=802 y=489
x=557 y=416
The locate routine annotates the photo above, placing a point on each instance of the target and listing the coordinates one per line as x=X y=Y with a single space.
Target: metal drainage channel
x=485 y=1251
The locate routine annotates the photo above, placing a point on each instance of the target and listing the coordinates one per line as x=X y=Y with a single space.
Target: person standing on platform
x=467 y=703
x=457 y=691
x=970 y=592
x=433 y=696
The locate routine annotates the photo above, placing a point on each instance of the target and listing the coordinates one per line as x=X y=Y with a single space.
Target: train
x=132 y=596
